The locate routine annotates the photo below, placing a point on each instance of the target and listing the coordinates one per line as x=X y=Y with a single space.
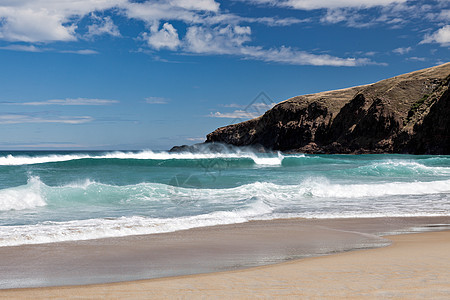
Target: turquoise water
x=62 y=196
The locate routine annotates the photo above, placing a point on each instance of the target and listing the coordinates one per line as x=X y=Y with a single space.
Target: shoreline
x=414 y=265
x=197 y=251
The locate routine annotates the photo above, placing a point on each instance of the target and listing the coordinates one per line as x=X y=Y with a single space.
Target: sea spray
x=23 y=197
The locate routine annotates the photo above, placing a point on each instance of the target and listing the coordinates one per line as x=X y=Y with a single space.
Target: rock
x=409 y=113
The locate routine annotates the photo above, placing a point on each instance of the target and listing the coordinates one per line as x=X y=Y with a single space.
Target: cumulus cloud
x=218 y=40
x=46 y=20
x=167 y=37
x=441 y=36
x=34 y=26
x=58 y=20
x=209 y=31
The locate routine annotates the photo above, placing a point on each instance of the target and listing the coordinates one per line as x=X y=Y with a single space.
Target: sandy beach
x=413 y=266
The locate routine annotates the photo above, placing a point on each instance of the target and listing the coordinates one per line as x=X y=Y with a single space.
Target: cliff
x=409 y=113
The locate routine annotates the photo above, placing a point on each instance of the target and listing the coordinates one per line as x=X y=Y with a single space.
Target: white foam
x=406 y=165
x=23 y=197
x=312 y=198
x=268 y=161
x=11 y=160
x=323 y=188
x=50 y=232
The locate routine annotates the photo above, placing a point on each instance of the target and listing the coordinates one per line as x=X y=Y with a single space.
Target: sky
x=133 y=75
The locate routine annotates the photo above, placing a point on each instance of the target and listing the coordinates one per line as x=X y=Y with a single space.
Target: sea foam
x=261 y=159
x=22 y=197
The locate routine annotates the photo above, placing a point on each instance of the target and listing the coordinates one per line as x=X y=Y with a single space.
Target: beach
x=415 y=265
x=236 y=224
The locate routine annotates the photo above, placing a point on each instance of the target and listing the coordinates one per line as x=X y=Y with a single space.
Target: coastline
x=208 y=251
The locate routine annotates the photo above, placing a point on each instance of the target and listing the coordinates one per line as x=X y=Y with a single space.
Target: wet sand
x=416 y=265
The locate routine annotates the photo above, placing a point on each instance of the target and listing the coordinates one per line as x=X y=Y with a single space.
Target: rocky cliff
x=409 y=113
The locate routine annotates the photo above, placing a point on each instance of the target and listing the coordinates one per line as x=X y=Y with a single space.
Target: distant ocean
x=65 y=196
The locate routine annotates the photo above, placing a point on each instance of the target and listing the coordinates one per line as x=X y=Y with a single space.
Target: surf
x=258 y=159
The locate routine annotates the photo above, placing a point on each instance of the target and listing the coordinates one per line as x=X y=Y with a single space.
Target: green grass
x=419 y=102
x=416 y=106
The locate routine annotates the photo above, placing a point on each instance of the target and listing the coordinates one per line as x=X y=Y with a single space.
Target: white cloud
x=237 y=114
x=104 y=26
x=441 y=36
x=33 y=48
x=415 y=58
x=328 y=4
x=167 y=37
x=295 y=57
x=82 y=51
x=156 y=100
x=207 y=5
x=209 y=31
x=232 y=105
x=258 y=106
x=196 y=139
x=262 y=106
x=444 y=15
x=25 y=48
x=318 y=4
x=57 y=20
x=218 y=40
x=367 y=13
x=152 y=12
x=251 y=111
x=230 y=40
x=29 y=25
x=21 y=119
x=272 y=21
x=68 y=102
x=402 y=50
x=46 y=20
x=334 y=16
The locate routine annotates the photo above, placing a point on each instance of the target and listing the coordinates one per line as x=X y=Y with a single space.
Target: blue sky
x=122 y=74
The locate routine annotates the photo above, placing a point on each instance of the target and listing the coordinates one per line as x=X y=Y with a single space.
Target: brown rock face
x=409 y=113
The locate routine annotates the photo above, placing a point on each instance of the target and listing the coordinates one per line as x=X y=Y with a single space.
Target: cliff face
x=409 y=113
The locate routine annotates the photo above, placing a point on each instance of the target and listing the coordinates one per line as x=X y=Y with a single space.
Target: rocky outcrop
x=409 y=113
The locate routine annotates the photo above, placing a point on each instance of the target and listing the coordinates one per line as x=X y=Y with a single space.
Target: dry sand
x=414 y=266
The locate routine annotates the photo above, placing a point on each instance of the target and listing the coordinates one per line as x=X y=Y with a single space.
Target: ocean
x=59 y=196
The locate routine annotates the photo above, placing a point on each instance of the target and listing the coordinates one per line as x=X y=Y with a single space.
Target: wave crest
x=258 y=159
x=23 y=197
